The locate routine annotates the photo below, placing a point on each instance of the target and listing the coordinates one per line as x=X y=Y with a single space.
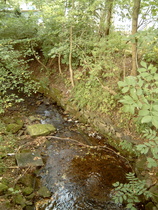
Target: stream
x=79 y=168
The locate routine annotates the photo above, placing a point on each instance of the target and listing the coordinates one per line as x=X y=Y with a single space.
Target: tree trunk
x=135 y=14
x=109 y=16
x=59 y=63
x=70 y=53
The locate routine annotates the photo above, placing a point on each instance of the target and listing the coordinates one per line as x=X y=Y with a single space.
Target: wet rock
x=40 y=129
x=44 y=192
x=29 y=159
x=3 y=188
x=27 y=190
x=34 y=118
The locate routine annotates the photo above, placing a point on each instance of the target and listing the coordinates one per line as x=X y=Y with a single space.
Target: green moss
x=20 y=200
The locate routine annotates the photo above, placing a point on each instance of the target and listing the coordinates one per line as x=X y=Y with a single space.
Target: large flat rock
x=40 y=129
x=29 y=159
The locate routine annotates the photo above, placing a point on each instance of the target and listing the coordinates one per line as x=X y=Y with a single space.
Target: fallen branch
x=92 y=147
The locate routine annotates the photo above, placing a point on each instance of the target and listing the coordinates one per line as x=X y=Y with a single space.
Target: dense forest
x=103 y=65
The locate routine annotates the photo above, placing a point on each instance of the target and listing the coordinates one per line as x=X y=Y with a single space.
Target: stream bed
x=79 y=168
x=78 y=171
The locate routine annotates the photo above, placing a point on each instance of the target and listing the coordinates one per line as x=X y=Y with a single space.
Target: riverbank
x=93 y=123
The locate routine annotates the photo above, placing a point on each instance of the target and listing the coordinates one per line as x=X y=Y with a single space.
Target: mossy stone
x=27 y=180
x=13 y=128
x=27 y=190
x=44 y=192
x=40 y=129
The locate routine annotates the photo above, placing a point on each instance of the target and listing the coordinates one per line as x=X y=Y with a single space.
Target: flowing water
x=78 y=171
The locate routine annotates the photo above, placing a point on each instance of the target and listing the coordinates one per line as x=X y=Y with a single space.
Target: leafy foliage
x=89 y=94
x=140 y=94
x=148 y=45
x=150 y=146
x=14 y=76
x=129 y=193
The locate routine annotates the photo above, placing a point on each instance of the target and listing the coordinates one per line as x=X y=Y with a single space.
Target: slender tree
x=70 y=51
x=136 y=9
x=109 y=16
x=105 y=16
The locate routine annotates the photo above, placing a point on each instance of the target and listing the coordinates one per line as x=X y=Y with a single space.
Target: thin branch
x=37 y=58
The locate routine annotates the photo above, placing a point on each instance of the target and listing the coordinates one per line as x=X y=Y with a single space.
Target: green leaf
x=156 y=77
x=155 y=121
x=140 y=147
x=146 y=119
x=116 y=184
x=154 y=151
x=125 y=89
x=140 y=82
x=149 y=78
x=131 y=109
x=131 y=80
x=133 y=94
x=143 y=112
x=128 y=100
x=145 y=150
x=124 y=197
x=145 y=75
x=155 y=114
x=141 y=70
x=121 y=84
x=155 y=107
x=120 y=200
x=151 y=162
x=139 y=92
x=143 y=64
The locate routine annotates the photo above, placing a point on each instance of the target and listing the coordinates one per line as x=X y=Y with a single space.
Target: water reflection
x=81 y=177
